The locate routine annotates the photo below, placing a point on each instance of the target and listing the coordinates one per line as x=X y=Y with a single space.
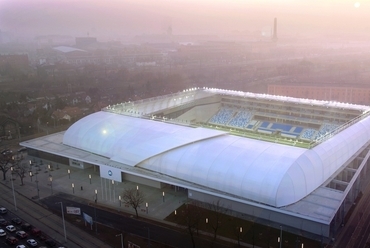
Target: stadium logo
x=110 y=173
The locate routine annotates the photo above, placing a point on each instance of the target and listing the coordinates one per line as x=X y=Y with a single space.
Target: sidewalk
x=45 y=181
x=77 y=182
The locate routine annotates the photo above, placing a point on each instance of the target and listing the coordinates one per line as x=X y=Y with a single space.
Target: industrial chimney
x=274 y=35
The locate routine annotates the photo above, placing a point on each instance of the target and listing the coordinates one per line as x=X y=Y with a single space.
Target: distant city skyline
x=116 y=18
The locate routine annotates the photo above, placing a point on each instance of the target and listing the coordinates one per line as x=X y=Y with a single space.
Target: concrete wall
x=140 y=180
x=290 y=223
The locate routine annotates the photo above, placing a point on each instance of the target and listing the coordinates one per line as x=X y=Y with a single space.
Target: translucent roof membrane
x=269 y=173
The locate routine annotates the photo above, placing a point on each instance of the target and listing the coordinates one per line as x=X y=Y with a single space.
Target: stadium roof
x=264 y=172
x=67 y=49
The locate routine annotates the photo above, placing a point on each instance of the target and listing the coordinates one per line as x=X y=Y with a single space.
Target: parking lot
x=15 y=232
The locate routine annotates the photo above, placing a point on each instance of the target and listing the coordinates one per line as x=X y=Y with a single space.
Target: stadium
x=285 y=161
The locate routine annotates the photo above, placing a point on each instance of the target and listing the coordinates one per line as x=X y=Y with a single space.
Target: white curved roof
x=269 y=173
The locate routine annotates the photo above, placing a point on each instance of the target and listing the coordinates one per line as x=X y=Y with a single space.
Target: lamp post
x=73 y=188
x=121 y=239
x=239 y=233
x=31 y=175
x=96 y=196
x=90 y=178
x=120 y=200
x=281 y=237
x=137 y=190
x=146 y=205
x=37 y=186
x=51 y=184
x=163 y=196
x=64 y=224
x=69 y=174
x=11 y=178
x=49 y=168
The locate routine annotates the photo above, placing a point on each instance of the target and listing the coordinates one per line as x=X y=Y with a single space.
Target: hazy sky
x=129 y=17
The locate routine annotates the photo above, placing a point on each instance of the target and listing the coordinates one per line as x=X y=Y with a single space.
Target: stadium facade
x=285 y=161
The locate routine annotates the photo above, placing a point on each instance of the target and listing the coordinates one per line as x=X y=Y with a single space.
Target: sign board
x=110 y=173
x=132 y=245
x=87 y=218
x=75 y=163
x=73 y=210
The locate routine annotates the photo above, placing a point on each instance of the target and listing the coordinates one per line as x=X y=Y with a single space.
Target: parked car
x=3 y=222
x=32 y=242
x=16 y=221
x=21 y=246
x=50 y=243
x=11 y=240
x=2 y=233
x=11 y=228
x=21 y=234
x=3 y=210
x=35 y=231
x=25 y=226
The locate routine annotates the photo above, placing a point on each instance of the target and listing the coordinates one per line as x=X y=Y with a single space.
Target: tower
x=274 y=35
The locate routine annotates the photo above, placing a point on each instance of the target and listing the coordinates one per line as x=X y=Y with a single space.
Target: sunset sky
x=130 y=17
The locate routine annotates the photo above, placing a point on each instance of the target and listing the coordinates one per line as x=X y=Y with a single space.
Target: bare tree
x=218 y=211
x=20 y=169
x=190 y=217
x=134 y=198
x=5 y=163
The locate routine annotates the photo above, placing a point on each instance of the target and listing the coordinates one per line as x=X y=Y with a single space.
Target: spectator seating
x=241 y=119
x=222 y=117
x=309 y=134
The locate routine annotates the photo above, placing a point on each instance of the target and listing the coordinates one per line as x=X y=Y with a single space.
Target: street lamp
x=90 y=178
x=51 y=184
x=37 y=186
x=31 y=175
x=146 y=205
x=121 y=239
x=163 y=196
x=73 y=188
x=137 y=190
x=11 y=178
x=175 y=212
x=281 y=236
x=69 y=174
x=64 y=224
x=120 y=200
x=96 y=196
x=239 y=233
